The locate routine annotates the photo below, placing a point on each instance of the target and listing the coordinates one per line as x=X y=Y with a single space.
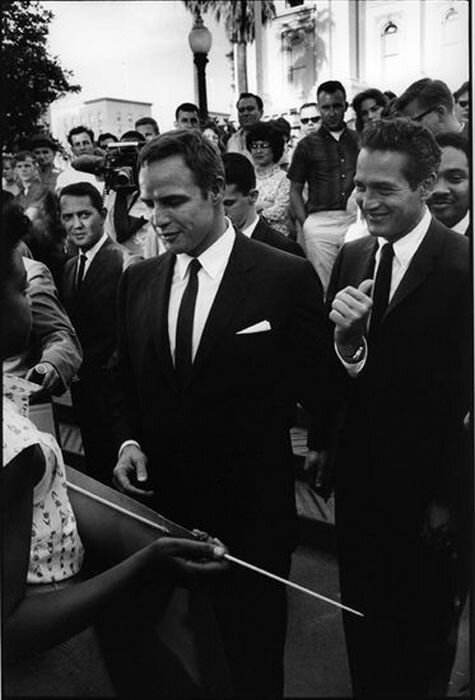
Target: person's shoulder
x=36 y=269
x=456 y=246
x=271 y=256
x=265 y=233
x=143 y=271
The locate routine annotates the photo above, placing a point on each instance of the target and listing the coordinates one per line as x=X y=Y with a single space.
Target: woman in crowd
x=266 y=145
x=212 y=132
x=48 y=597
x=9 y=183
x=368 y=106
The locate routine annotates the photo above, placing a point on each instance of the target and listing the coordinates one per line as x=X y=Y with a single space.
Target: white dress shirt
x=404 y=250
x=214 y=261
x=213 y=264
x=249 y=229
x=462 y=225
x=92 y=252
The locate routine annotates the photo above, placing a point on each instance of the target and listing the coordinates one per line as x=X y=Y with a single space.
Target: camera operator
x=127 y=221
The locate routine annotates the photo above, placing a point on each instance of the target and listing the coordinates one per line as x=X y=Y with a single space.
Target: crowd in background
x=82 y=226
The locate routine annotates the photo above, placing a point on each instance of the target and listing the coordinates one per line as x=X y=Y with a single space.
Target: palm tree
x=239 y=23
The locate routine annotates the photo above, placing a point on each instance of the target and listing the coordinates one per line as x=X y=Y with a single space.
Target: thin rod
x=240 y=562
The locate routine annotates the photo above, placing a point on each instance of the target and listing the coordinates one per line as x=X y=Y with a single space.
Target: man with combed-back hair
x=208 y=390
x=401 y=307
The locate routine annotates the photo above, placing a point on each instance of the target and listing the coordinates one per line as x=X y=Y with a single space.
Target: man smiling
x=404 y=339
x=450 y=200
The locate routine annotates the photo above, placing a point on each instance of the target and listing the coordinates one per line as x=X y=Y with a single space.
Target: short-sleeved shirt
x=328 y=166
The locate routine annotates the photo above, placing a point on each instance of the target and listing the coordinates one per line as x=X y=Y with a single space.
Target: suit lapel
x=158 y=304
x=231 y=292
x=419 y=267
x=96 y=268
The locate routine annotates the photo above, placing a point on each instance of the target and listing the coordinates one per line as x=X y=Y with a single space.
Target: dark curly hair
x=407 y=137
x=370 y=94
x=266 y=131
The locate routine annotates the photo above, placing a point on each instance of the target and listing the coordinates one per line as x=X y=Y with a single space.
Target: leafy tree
x=239 y=24
x=32 y=79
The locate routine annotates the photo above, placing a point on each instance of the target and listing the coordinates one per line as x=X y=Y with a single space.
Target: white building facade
x=104 y=114
x=363 y=43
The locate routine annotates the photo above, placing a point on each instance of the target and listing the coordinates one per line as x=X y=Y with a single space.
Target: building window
x=390 y=52
x=390 y=40
x=293 y=3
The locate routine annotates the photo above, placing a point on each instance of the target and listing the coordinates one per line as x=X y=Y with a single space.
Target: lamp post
x=200 y=41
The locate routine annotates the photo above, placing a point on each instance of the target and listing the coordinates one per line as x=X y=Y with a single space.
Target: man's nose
x=441 y=186
x=160 y=216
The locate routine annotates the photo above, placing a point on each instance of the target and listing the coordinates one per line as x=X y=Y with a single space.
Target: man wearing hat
x=44 y=149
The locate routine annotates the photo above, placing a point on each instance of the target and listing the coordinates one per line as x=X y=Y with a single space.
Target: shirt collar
x=214 y=259
x=90 y=254
x=462 y=225
x=405 y=247
x=249 y=229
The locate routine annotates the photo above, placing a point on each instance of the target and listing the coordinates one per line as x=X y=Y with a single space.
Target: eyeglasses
x=418 y=117
x=463 y=103
x=258 y=145
x=306 y=120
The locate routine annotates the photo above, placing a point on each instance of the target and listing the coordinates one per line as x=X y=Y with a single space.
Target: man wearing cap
x=44 y=149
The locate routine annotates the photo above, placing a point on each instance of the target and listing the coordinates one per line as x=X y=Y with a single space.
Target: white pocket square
x=256 y=328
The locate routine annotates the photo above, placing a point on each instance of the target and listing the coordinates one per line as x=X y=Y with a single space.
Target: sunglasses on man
x=306 y=120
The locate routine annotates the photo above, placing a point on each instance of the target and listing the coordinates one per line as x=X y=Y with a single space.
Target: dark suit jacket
x=219 y=453
x=93 y=310
x=403 y=434
x=266 y=234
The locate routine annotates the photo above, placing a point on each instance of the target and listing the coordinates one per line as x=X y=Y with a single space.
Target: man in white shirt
x=250 y=109
x=208 y=333
x=81 y=141
x=401 y=475
x=90 y=289
x=450 y=199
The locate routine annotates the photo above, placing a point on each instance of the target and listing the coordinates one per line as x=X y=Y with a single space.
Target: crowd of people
x=191 y=296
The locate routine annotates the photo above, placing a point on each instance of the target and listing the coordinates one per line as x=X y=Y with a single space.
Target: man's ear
x=427 y=185
x=253 y=196
x=217 y=189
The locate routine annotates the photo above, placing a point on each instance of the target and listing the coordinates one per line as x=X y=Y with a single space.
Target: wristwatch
x=41 y=369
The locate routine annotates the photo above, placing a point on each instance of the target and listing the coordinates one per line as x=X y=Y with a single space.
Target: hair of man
x=239 y=171
x=199 y=155
x=83 y=189
x=308 y=104
x=246 y=95
x=80 y=130
x=132 y=135
x=186 y=107
x=369 y=94
x=455 y=140
x=330 y=87
x=143 y=121
x=428 y=93
x=266 y=131
x=412 y=140
x=106 y=135
x=465 y=87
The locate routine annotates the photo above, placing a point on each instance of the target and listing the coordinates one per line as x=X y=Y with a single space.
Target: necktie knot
x=194 y=267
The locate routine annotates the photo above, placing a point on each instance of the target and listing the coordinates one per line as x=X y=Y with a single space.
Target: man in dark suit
x=450 y=199
x=401 y=476
x=208 y=336
x=90 y=292
x=240 y=197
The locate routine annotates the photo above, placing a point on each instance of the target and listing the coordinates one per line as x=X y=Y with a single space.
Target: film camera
x=120 y=165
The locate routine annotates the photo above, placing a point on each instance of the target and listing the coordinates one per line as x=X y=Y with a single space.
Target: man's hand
x=131 y=471
x=314 y=469
x=49 y=379
x=350 y=311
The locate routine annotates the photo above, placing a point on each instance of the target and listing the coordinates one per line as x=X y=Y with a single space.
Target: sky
x=137 y=50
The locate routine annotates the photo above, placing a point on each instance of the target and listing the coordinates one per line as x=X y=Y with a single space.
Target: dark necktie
x=80 y=271
x=184 y=326
x=382 y=286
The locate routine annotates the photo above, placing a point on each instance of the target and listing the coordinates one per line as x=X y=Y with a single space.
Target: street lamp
x=200 y=41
